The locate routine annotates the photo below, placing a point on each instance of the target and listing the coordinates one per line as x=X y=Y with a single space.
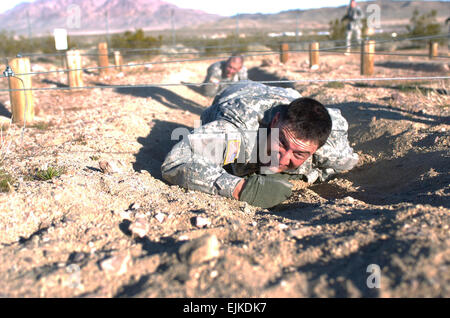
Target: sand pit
x=126 y=233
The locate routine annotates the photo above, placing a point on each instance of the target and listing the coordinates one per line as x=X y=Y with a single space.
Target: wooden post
x=118 y=60
x=74 y=78
x=21 y=101
x=367 y=57
x=433 y=49
x=314 y=55
x=103 y=60
x=284 y=55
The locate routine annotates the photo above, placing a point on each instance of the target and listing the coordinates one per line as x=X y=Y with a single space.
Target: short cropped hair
x=236 y=56
x=308 y=119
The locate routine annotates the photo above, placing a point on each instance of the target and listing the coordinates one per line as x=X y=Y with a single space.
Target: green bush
x=229 y=44
x=337 y=29
x=11 y=45
x=423 y=25
x=6 y=181
x=49 y=173
x=130 y=40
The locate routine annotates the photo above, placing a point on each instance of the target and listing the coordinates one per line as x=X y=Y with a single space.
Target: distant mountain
x=392 y=13
x=95 y=16
x=90 y=16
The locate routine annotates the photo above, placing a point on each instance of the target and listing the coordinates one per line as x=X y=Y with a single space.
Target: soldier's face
x=291 y=151
x=233 y=66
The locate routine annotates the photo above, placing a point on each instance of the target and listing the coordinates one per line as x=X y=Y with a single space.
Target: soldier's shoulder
x=216 y=66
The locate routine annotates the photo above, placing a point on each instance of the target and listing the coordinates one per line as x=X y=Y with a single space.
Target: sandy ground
x=90 y=233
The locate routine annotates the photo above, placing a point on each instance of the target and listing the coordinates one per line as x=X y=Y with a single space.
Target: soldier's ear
x=275 y=120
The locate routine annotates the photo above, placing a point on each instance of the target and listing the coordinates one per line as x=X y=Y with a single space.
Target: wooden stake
x=284 y=55
x=367 y=57
x=118 y=60
x=313 y=54
x=103 y=60
x=433 y=49
x=21 y=101
x=74 y=78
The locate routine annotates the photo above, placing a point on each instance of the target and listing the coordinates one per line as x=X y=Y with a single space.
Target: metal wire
x=424 y=78
x=354 y=43
x=217 y=58
x=137 y=64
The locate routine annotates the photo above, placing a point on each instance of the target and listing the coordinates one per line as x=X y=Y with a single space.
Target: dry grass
x=6 y=181
x=5 y=141
x=434 y=97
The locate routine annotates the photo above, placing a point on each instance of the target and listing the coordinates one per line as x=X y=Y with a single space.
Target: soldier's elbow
x=210 y=92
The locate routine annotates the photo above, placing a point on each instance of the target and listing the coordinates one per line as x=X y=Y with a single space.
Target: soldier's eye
x=300 y=155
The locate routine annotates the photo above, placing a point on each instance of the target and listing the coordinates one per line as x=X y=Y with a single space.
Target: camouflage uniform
x=232 y=125
x=216 y=73
x=354 y=15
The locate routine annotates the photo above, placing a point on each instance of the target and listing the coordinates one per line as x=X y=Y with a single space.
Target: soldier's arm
x=243 y=74
x=212 y=81
x=346 y=16
x=196 y=162
x=359 y=13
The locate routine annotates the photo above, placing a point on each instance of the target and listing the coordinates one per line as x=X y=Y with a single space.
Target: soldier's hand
x=266 y=191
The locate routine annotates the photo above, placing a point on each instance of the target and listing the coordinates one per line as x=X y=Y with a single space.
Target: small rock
x=200 y=250
x=160 y=217
x=110 y=166
x=140 y=227
x=125 y=215
x=134 y=206
x=314 y=67
x=300 y=233
x=349 y=199
x=395 y=97
x=117 y=265
x=214 y=274
x=282 y=226
x=202 y=222
x=77 y=257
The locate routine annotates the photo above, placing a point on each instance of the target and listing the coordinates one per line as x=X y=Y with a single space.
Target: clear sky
x=230 y=7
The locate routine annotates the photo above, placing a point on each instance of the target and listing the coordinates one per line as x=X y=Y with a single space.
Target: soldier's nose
x=285 y=158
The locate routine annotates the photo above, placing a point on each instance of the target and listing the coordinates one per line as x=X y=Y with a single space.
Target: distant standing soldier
x=354 y=16
x=232 y=70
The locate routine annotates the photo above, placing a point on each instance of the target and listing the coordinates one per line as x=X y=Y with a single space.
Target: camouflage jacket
x=214 y=157
x=215 y=74
x=354 y=16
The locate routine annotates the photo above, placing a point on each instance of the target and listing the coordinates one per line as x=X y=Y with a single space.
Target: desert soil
x=124 y=232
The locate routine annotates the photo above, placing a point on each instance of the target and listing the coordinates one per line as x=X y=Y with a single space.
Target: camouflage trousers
x=348 y=36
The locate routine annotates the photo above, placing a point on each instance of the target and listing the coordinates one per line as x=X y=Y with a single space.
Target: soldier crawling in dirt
x=354 y=16
x=231 y=70
x=254 y=138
